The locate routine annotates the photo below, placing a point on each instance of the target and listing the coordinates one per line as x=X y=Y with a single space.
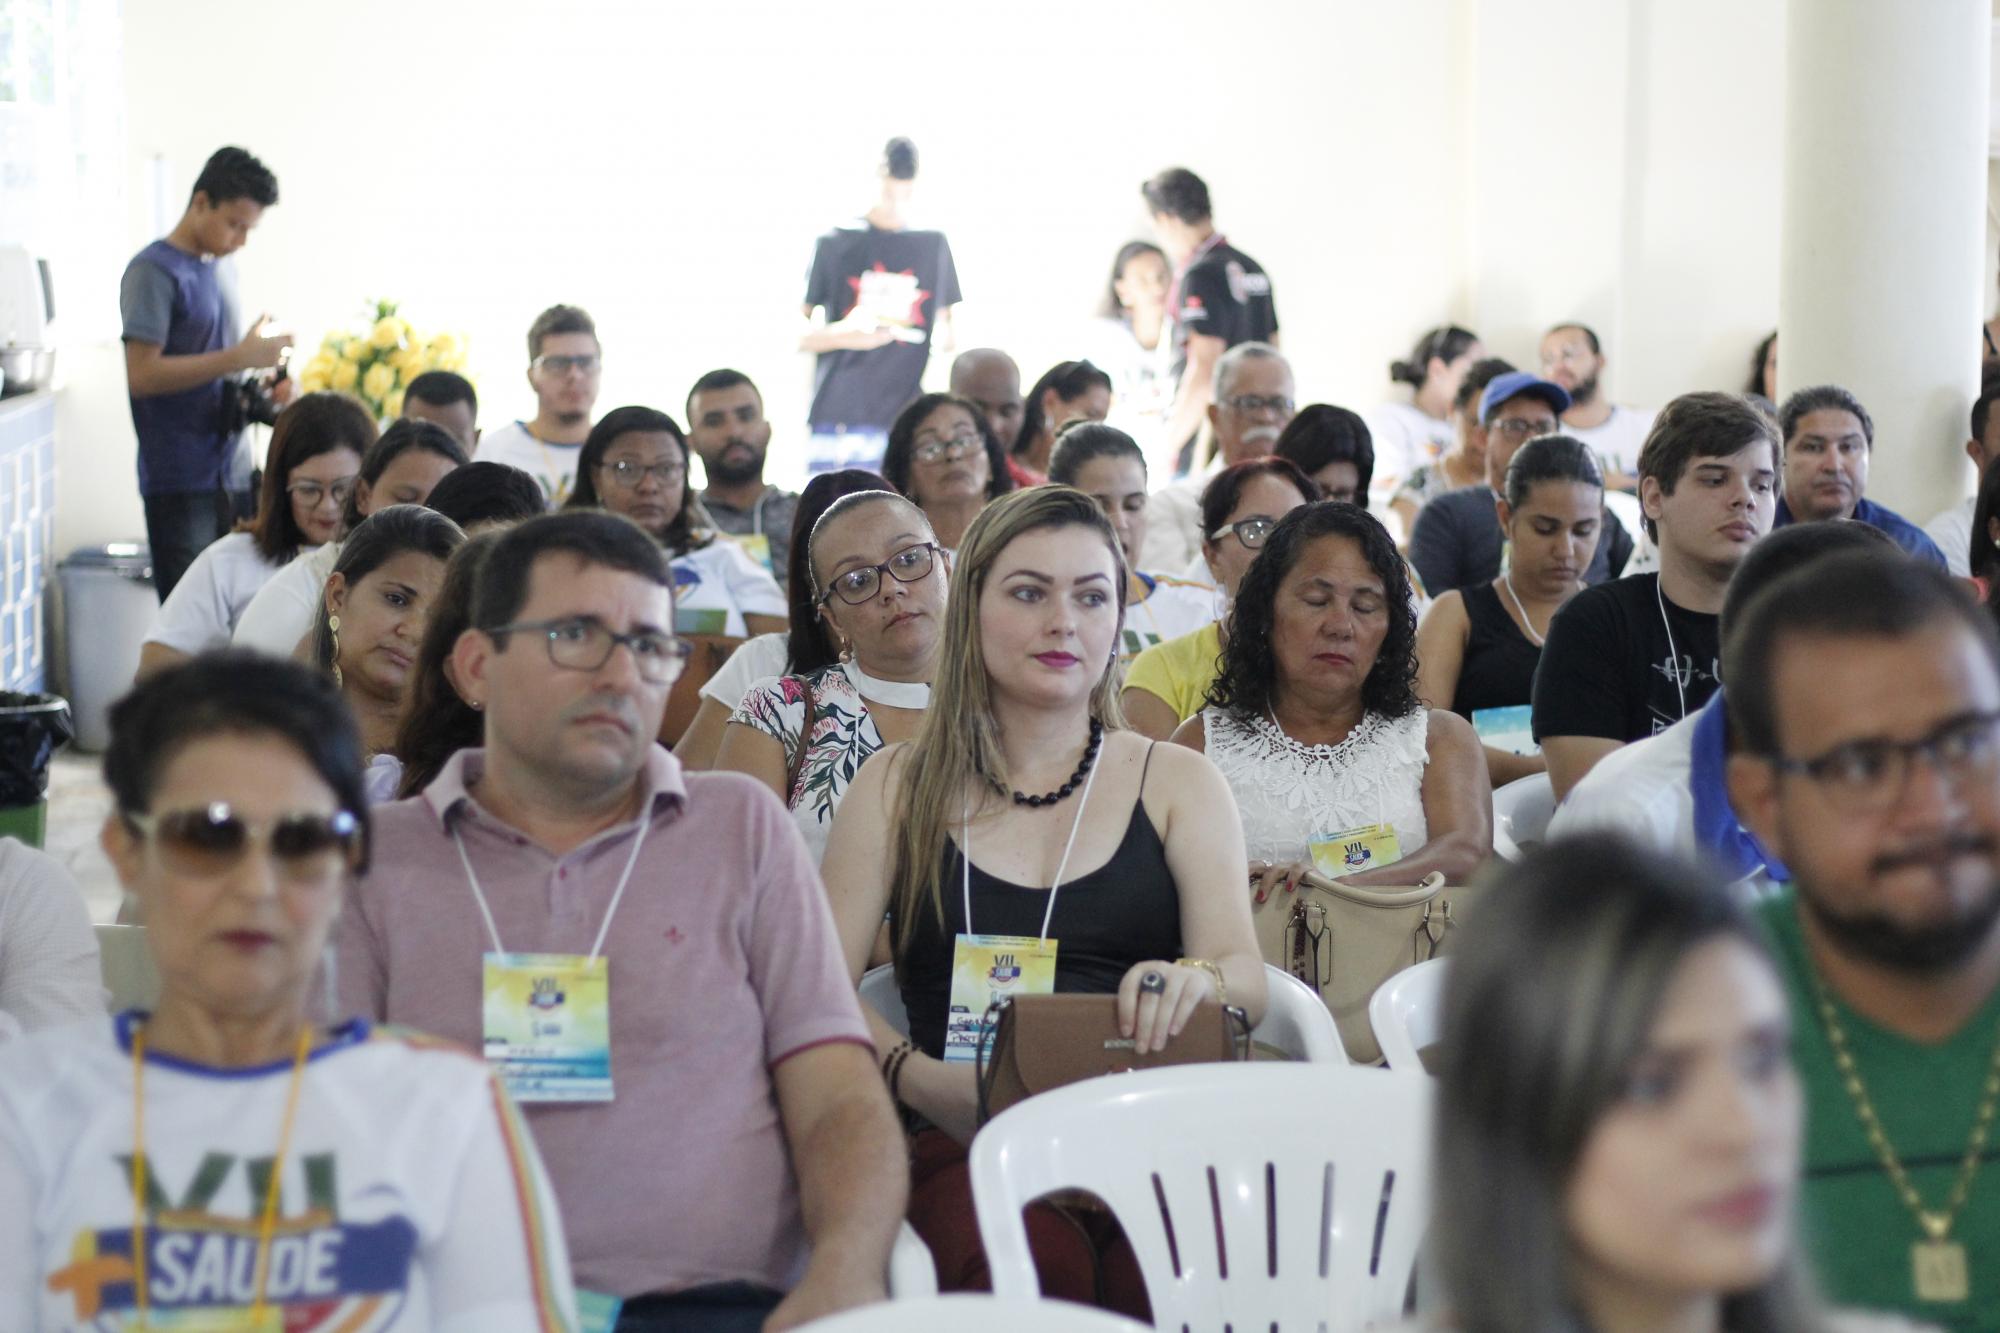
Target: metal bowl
x=27 y=368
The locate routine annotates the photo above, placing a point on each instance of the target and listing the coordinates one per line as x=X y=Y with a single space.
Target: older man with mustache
x=1829 y=440
x=1253 y=399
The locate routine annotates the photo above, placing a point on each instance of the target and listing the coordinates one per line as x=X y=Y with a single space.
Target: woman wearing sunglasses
x=224 y=1161
x=1168 y=683
x=314 y=463
x=878 y=578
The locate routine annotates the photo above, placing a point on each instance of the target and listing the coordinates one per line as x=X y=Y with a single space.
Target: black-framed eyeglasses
x=585 y=643
x=1249 y=404
x=627 y=475
x=589 y=363
x=211 y=840
x=1253 y=531
x=1865 y=776
x=956 y=446
x=313 y=492
x=908 y=565
x=1519 y=428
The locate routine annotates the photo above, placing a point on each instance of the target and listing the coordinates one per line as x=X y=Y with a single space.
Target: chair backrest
x=879 y=990
x=970 y=1312
x=1521 y=813
x=1406 y=1012
x=128 y=968
x=1307 y=1218
x=1297 y=1022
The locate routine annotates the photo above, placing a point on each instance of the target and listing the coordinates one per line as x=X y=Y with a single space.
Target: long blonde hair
x=958 y=742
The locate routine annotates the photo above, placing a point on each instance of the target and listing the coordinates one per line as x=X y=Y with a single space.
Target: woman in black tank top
x=1478 y=647
x=1023 y=804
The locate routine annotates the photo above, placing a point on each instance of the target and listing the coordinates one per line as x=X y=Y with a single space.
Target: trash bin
x=108 y=605
x=32 y=728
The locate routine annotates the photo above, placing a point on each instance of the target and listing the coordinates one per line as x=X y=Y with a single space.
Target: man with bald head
x=988 y=377
x=1253 y=399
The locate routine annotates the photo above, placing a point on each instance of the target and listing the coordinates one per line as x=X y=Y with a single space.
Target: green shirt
x=1856 y=1229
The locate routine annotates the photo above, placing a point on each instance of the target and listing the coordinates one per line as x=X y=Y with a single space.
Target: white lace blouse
x=1290 y=794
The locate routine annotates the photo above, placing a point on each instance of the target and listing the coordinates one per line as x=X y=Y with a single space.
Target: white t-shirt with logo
x=1405 y=438
x=411 y=1196
x=716 y=585
x=553 y=466
x=1618 y=440
x=1173 y=607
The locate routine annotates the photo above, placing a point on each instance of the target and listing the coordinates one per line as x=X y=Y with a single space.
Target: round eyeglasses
x=857 y=586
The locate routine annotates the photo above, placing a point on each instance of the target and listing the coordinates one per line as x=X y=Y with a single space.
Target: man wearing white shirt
x=565 y=369
x=1573 y=357
x=1952 y=530
x=1252 y=402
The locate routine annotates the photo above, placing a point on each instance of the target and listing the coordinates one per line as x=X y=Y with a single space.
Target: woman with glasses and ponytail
x=1023 y=808
x=226 y=1161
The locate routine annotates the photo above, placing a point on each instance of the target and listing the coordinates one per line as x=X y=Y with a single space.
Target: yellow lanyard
x=270 y=1221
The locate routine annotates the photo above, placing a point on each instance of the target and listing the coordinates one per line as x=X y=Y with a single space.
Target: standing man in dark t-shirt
x=876 y=296
x=1633 y=656
x=1221 y=297
x=177 y=304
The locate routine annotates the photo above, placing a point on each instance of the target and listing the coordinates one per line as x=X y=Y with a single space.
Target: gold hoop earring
x=333 y=633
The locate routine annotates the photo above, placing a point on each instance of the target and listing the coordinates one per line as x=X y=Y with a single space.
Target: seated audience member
x=1630 y=658
x=879 y=579
x=1167 y=683
x=371 y=625
x=1572 y=357
x=437 y=721
x=1457 y=541
x=1828 y=439
x=1763 y=381
x=1133 y=341
x=1867 y=693
x=943 y=455
x=987 y=378
x=1617 y=1133
x=728 y=430
x=1412 y=435
x=1477 y=648
x=565 y=369
x=1983 y=539
x=730 y=1059
x=1953 y=529
x=1314 y=718
x=1107 y=465
x=1332 y=446
x=1068 y=391
x=401 y=468
x=445 y=398
x=1141 y=875
x=803 y=648
x=1463 y=463
x=314 y=461
x=1253 y=400
x=1670 y=792
x=635 y=463
x=239 y=825
x=480 y=497
x=49 y=968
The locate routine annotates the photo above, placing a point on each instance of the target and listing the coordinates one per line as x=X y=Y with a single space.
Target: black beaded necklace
x=1076 y=778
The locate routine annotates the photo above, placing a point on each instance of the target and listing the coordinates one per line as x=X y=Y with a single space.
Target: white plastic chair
x=1405 y=1012
x=128 y=968
x=1305 y=1217
x=1521 y=813
x=969 y=1312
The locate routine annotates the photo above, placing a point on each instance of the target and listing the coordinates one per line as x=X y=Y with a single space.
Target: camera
x=246 y=401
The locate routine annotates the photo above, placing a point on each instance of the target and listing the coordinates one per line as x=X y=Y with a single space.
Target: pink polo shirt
x=724 y=963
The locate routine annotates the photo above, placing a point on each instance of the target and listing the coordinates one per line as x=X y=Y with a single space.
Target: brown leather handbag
x=1038 y=1042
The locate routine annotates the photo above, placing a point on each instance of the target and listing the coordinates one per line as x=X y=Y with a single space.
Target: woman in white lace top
x=1316 y=724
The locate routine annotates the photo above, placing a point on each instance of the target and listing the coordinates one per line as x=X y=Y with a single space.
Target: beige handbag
x=1345 y=941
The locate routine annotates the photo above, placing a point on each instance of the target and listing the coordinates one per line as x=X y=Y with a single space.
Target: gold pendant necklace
x=1937 y=1262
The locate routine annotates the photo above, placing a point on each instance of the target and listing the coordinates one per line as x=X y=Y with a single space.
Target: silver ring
x=1152 y=984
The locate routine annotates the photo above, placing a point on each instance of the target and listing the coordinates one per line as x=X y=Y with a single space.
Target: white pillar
x=1881 y=276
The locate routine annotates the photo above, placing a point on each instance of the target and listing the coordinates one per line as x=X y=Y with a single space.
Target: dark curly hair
x=1248 y=680
x=899 y=455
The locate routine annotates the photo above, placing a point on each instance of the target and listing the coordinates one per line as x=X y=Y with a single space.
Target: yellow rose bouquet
x=377 y=364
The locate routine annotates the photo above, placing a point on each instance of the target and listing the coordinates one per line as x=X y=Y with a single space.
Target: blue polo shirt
x=185 y=305
x=1900 y=530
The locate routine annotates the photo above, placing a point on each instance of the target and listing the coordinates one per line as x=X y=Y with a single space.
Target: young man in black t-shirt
x=1634 y=656
x=1221 y=296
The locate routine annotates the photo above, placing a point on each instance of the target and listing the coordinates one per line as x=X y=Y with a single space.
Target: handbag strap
x=1429 y=888
x=982 y=1055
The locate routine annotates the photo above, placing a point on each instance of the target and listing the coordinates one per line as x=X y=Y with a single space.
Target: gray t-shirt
x=1456 y=542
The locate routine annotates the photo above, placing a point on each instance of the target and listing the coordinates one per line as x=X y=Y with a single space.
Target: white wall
x=1506 y=163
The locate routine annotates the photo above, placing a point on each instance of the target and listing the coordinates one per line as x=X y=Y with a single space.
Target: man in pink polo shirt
x=644 y=954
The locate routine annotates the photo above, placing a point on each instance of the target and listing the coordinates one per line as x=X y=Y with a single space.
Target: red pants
x=1080 y=1255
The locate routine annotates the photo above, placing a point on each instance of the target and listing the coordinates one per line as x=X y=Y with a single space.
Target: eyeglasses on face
x=585 y=643
x=1520 y=428
x=1868 y=776
x=955 y=446
x=628 y=475
x=1250 y=404
x=314 y=493
x=1252 y=531
x=587 y=364
x=207 y=841
x=858 y=586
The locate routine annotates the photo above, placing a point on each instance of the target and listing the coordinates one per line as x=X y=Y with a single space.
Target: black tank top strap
x=1146 y=767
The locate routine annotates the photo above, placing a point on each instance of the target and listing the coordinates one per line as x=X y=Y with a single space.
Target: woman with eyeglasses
x=635 y=463
x=225 y=1161
x=943 y=455
x=1168 y=682
x=878 y=579
x=313 y=464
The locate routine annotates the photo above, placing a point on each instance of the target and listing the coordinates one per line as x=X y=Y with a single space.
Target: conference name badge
x=985 y=968
x=269 y=1319
x=1356 y=850
x=548 y=1025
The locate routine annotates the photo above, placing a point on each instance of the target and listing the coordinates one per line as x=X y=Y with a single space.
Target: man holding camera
x=192 y=382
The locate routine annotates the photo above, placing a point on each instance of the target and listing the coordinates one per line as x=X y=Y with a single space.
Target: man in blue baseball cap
x=1456 y=541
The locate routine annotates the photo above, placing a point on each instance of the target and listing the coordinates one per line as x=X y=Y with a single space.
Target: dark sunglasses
x=213 y=839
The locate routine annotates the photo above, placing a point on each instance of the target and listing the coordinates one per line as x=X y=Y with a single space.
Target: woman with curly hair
x=1315 y=720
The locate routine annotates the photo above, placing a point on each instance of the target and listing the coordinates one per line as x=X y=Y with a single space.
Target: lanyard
x=965 y=855
x=493 y=933
x=265 y=1227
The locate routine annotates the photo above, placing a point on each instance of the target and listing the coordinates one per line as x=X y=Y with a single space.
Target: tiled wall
x=27 y=530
